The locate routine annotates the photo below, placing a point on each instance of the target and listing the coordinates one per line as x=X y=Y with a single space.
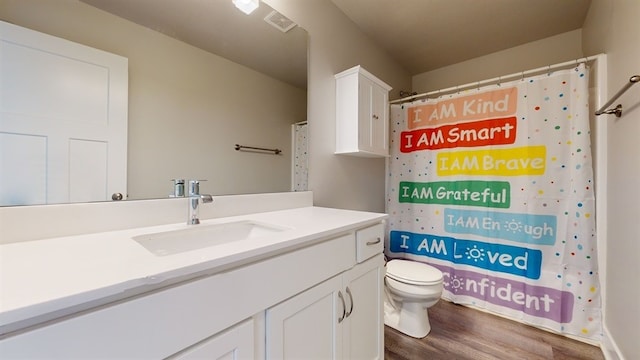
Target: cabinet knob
x=375 y=116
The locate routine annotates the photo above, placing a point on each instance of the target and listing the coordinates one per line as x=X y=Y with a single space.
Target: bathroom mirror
x=193 y=93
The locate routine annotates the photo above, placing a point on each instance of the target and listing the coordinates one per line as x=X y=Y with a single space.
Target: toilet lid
x=413 y=272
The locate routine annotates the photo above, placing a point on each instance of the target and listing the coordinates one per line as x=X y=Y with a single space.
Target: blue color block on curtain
x=494 y=187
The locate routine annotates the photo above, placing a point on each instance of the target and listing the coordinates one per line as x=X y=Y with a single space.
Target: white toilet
x=410 y=288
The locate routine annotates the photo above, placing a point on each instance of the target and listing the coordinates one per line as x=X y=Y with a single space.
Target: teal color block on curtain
x=494 y=187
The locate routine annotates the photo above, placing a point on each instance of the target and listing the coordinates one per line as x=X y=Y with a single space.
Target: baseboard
x=609 y=347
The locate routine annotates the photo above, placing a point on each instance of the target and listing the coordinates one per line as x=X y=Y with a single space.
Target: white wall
x=336 y=44
x=533 y=55
x=612 y=27
x=187 y=107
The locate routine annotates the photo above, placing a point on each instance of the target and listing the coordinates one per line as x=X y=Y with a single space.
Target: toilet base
x=412 y=320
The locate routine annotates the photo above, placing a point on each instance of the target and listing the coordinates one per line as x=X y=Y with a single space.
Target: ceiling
x=424 y=35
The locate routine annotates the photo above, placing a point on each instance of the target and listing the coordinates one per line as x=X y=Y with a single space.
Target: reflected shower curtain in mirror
x=300 y=165
x=494 y=187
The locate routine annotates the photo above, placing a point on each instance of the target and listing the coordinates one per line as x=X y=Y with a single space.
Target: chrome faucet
x=194 y=201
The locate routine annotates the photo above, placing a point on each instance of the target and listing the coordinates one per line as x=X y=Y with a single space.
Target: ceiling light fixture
x=246 y=6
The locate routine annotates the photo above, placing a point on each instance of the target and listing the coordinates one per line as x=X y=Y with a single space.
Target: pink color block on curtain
x=494 y=187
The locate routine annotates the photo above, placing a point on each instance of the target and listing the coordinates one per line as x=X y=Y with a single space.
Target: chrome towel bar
x=618 y=109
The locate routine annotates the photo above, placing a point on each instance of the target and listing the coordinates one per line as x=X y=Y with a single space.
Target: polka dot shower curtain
x=300 y=157
x=494 y=187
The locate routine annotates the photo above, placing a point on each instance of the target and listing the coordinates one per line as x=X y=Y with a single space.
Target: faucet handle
x=178 y=188
x=194 y=187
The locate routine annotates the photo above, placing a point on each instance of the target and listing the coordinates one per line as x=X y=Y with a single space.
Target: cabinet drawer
x=369 y=242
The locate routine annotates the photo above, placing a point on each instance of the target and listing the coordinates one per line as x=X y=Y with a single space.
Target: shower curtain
x=300 y=166
x=494 y=187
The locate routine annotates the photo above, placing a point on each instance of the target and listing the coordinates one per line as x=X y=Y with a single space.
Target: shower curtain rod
x=499 y=79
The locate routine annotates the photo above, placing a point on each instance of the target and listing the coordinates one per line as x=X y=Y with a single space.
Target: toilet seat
x=414 y=273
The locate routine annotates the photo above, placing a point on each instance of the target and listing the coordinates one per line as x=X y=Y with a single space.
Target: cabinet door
x=372 y=117
x=379 y=120
x=339 y=319
x=364 y=325
x=233 y=344
x=306 y=326
x=365 y=114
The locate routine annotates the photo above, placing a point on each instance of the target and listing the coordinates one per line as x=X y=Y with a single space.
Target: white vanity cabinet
x=340 y=318
x=363 y=332
x=306 y=326
x=228 y=313
x=362 y=114
x=232 y=344
x=202 y=316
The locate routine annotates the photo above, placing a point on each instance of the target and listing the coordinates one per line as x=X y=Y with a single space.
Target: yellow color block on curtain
x=494 y=187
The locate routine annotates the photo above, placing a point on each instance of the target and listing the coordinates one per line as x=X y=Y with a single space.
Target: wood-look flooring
x=461 y=333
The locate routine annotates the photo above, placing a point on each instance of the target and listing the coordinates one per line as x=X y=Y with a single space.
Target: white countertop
x=46 y=279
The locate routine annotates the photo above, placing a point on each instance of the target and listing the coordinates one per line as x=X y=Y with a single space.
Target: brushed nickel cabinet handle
x=377 y=241
x=344 y=307
x=351 y=300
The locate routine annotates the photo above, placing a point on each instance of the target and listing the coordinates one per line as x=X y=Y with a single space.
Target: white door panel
x=42 y=84
x=87 y=170
x=75 y=98
x=23 y=164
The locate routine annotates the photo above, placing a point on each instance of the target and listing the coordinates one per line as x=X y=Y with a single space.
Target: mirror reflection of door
x=63 y=120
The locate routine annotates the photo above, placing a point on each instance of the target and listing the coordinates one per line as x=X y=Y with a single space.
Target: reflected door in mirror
x=63 y=120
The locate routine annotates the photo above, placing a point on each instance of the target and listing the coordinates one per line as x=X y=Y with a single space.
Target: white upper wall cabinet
x=362 y=114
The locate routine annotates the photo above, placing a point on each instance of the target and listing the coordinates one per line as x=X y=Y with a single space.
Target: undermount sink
x=203 y=236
